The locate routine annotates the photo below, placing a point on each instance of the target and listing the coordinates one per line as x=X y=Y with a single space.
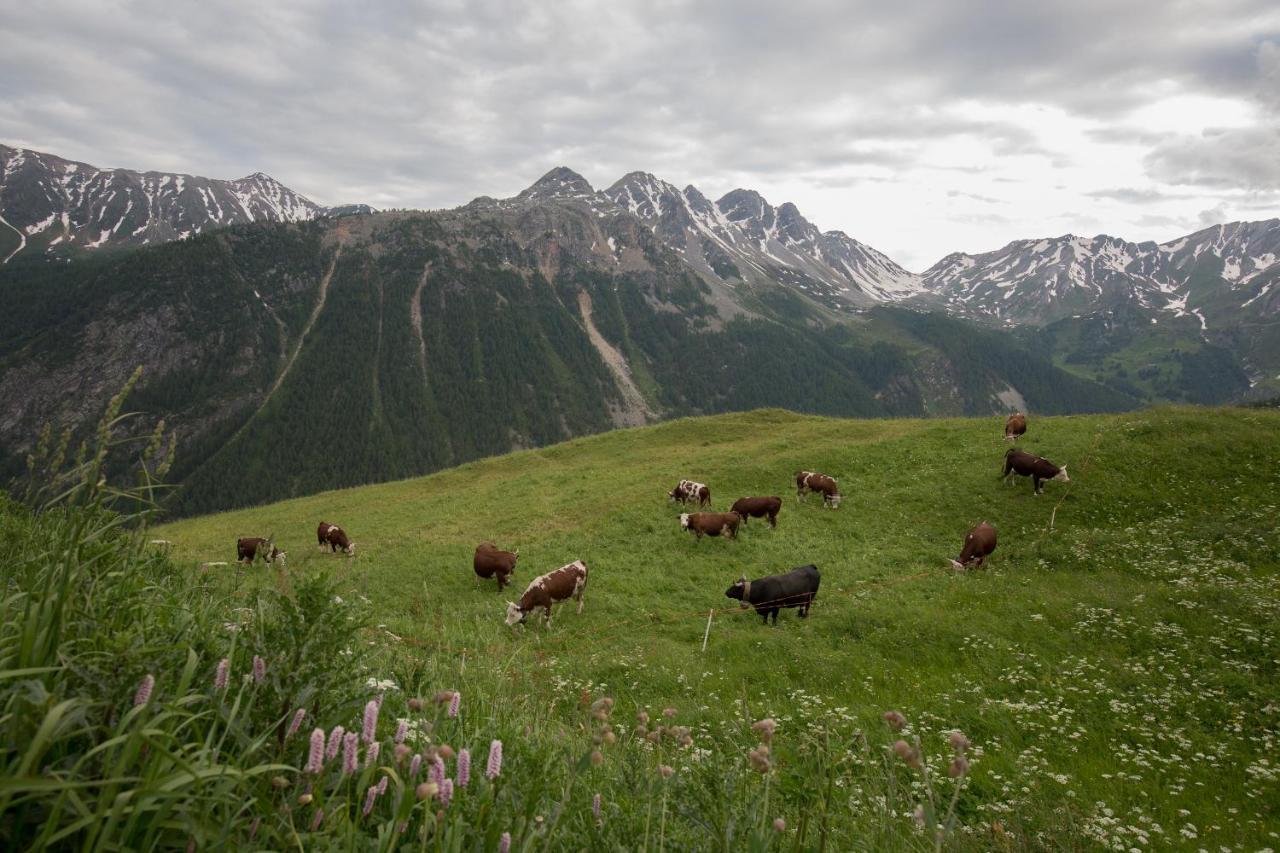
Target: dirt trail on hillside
x=635 y=410
x=306 y=330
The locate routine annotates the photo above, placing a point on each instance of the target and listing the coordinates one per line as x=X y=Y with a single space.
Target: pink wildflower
x=464 y=767
x=349 y=749
x=143 y=696
x=371 y=754
x=382 y=785
x=446 y=793
x=317 y=820
x=402 y=730
x=495 y=761
x=335 y=743
x=595 y=807
x=370 y=720
x=223 y=674
x=455 y=704
x=437 y=772
x=297 y=723
x=369 y=797
x=414 y=766
x=315 y=761
x=504 y=843
x=259 y=669
x=894 y=719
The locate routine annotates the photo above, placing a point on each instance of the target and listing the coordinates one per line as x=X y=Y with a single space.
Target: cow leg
x=774 y=613
x=548 y=615
x=1035 y=481
x=581 y=591
x=773 y=520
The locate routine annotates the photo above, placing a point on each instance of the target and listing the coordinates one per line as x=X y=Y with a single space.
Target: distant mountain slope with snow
x=52 y=203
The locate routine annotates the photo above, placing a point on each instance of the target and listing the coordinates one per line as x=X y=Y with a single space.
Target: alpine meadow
x=720 y=426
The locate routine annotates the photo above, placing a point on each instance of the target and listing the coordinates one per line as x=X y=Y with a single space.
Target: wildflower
x=895 y=720
x=495 y=761
x=298 y=717
x=759 y=758
x=382 y=785
x=765 y=727
x=668 y=712
x=464 y=767
x=642 y=717
x=455 y=703
x=597 y=757
x=443 y=696
x=426 y=790
x=259 y=669
x=959 y=767
x=223 y=674
x=779 y=825
x=918 y=814
x=402 y=730
x=665 y=771
x=143 y=696
x=415 y=704
x=279 y=782
x=446 y=792
x=305 y=799
x=401 y=752
x=444 y=751
x=335 y=743
x=908 y=753
x=315 y=761
x=959 y=742
x=437 y=772
x=369 y=796
x=595 y=808
x=349 y=748
x=370 y=720
x=504 y=843
x=317 y=820
x=371 y=754
x=414 y=766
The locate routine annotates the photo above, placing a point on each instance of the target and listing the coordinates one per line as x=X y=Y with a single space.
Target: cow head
x=684 y=521
x=833 y=501
x=674 y=494
x=514 y=613
x=1062 y=475
x=737 y=589
x=350 y=550
x=278 y=556
x=957 y=565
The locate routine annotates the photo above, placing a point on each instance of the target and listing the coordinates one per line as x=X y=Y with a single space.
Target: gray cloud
x=429 y=105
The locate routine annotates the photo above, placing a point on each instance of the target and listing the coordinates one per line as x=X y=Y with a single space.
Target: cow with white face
x=564 y=583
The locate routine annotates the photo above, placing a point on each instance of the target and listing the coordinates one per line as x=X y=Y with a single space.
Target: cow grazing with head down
x=1037 y=468
x=688 y=490
x=978 y=545
x=711 y=523
x=812 y=481
x=768 y=595
x=758 y=507
x=336 y=538
x=489 y=562
x=564 y=583
x=1015 y=427
x=251 y=548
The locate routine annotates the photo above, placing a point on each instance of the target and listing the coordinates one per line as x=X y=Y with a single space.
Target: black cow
x=1038 y=468
x=768 y=595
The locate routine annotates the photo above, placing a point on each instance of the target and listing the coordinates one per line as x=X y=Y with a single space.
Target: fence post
x=707 y=633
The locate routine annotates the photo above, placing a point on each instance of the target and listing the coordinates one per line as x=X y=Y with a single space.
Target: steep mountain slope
x=47 y=202
x=295 y=357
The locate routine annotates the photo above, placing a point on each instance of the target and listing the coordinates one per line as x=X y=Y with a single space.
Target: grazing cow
x=489 y=562
x=711 y=523
x=335 y=537
x=1037 y=468
x=688 y=490
x=758 y=507
x=250 y=548
x=1015 y=427
x=564 y=583
x=768 y=595
x=978 y=545
x=811 y=481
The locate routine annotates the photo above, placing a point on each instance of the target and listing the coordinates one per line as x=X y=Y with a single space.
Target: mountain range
x=297 y=347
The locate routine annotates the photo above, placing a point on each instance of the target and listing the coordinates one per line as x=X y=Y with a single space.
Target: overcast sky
x=919 y=128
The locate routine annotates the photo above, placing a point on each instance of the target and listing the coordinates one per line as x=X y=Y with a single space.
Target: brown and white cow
x=564 y=583
x=1015 y=427
x=336 y=538
x=688 y=490
x=812 y=481
x=978 y=545
x=711 y=523
x=251 y=548
x=765 y=507
x=1037 y=468
x=489 y=562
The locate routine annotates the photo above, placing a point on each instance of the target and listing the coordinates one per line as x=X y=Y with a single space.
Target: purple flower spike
x=349 y=749
x=446 y=793
x=595 y=807
x=296 y=724
x=223 y=674
x=437 y=772
x=464 y=767
x=371 y=754
x=455 y=704
x=402 y=730
x=317 y=820
x=259 y=669
x=315 y=761
x=495 y=760
x=370 y=720
x=335 y=743
x=504 y=843
x=415 y=766
x=369 y=797
x=143 y=696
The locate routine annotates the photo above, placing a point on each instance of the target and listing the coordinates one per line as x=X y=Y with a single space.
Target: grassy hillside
x=1117 y=674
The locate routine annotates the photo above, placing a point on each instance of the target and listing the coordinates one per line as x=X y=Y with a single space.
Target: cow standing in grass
x=978 y=545
x=1015 y=427
x=767 y=507
x=812 y=481
x=688 y=490
x=768 y=595
x=711 y=523
x=336 y=538
x=1037 y=468
x=489 y=562
x=564 y=583
x=251 y=548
